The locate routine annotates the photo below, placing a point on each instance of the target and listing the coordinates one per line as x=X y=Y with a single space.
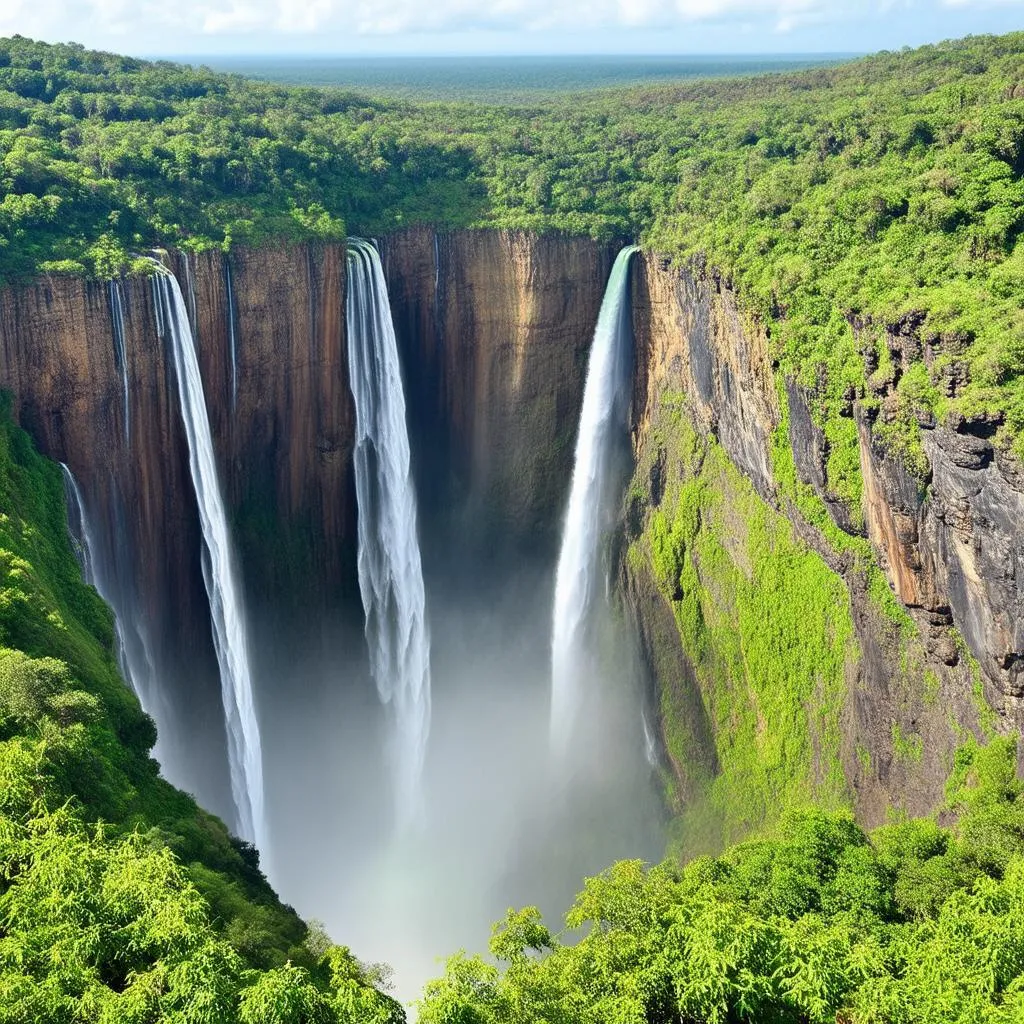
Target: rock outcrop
x=952 y=550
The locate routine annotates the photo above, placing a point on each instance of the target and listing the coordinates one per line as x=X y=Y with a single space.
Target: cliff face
x=496 y=329
x=282 y=417
x=283 y=444
x=952 y=552
x=731 y=580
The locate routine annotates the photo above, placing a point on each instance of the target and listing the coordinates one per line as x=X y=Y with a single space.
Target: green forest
x=842 y=204
x=881 y=192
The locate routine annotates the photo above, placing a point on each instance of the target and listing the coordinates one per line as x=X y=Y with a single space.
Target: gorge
x=911 y=632
x=601 y=508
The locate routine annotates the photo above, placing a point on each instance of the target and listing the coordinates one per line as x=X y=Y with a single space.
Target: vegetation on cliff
x=121 y=900
x=851 y=206
x=766 y=627
x=816 y=922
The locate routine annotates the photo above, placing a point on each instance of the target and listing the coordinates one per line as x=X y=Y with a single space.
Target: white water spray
x=390 y=572
x=592 y=501
x=120 y=351
x=226 y=615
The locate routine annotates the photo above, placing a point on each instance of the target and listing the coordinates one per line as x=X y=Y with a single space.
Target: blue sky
x=150 y=27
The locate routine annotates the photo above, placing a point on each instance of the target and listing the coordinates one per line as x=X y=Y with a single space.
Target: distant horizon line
x=301 y=55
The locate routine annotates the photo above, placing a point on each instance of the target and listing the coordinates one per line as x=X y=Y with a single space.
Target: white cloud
x=328 y=23
x=52 y=18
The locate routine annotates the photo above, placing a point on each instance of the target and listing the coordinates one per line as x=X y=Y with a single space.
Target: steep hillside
x=156 y=912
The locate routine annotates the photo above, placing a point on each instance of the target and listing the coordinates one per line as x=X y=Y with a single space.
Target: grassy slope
x=163 y=889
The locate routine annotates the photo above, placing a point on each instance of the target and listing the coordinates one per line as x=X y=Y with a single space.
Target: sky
x=362 y=27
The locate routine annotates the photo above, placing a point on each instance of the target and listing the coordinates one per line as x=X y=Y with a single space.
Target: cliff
x=495 y=328
x=730 y=502
x=283 y=443
x=799 y=648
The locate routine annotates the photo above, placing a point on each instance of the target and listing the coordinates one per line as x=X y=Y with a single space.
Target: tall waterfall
x=592 y=501
x=100 y=570
x=227 y=618
x=120 y=352
x=390 y=573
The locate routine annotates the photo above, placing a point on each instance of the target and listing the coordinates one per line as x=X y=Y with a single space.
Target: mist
x=502 y=823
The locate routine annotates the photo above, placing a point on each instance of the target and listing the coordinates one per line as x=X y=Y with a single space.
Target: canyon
x=494 y=328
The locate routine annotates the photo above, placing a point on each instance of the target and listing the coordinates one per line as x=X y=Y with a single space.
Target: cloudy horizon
x=460 y=27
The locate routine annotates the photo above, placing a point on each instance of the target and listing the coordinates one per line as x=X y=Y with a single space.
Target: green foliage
x=120 y=900
x=817 y=921
x=842 y=202
x=768 y=629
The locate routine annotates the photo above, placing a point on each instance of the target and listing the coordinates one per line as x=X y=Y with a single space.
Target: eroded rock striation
x=494 y=329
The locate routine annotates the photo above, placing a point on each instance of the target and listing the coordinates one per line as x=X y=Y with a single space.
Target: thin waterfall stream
x=120 y=352
x=219 y=574
x=390 y=570
x=592 y=502
x=134 y=657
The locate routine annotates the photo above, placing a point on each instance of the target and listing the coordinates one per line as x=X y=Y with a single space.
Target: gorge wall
x=283 y=446
x=496 y=328
x=730 y=496
x=783 y=665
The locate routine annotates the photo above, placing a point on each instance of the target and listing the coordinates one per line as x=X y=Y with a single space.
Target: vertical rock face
x=496 y=328
x=953 y=552
x=284 y=432
x=283 y=447
x=690 y=336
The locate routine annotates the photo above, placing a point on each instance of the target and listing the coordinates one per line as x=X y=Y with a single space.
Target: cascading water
x=390 y=572
x=133 y=653
x=592 y=502
x=226 y=614
x=120 y=351
x=231 y=333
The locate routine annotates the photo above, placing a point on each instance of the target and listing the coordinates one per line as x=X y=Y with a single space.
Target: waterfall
x=437 y=274
x=231 y=333
x=120 y=351
x=134 y=658
x=390 y=573
x=78 y=528
x=226 y=614
x=592 y=500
